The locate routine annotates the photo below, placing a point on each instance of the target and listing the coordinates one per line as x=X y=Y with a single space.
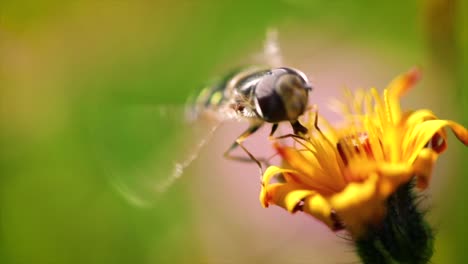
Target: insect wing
x=143 y=149
x=271 y=53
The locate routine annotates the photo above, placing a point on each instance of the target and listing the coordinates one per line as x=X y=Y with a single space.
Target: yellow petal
x=266 y=178
x=379 y=108
x=392 y=175
x=355 y=193
x=412 y=118
x=272 y=171
x=425 y=131
x=265 y=194
x=401 y=84
x=309 y=172
x=287 y=195
x=318 y=207
x=359 y=204
x=395 y=90
x=407 y=126
x=423 y=167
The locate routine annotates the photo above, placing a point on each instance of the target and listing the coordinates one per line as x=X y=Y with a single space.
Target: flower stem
x=403 y=236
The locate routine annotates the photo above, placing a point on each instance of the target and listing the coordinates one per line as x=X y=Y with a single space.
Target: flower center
x=354 y=146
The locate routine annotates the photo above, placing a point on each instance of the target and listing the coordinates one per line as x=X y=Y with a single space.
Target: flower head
x=344 y=175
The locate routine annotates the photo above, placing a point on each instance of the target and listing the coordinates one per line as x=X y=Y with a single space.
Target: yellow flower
x=344 y=177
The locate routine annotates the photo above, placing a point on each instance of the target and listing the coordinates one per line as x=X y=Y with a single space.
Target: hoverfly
x=258 y=94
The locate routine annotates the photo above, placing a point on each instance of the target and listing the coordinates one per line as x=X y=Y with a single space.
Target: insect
x=257 y=94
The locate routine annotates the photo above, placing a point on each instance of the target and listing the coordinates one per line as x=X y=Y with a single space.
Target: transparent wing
x=271 y=53
x=144 y=149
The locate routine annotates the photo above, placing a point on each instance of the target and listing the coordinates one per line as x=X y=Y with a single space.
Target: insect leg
x=238 y=143
x=273 y=129
x=298 y=128
x=298 y=139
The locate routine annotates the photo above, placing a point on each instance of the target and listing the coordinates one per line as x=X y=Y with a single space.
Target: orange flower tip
x=264 y=203
x=276 y=145
x=264 y=198
x=280 y=148
x=413 y=76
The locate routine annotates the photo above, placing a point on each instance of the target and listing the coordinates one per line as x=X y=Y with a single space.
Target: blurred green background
x=73 y=73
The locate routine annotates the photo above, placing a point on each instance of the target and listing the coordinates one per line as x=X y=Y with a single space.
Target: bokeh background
x=84 y=141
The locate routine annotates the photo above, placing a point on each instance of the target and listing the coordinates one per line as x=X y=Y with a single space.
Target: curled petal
x=288 y=196
x=408 y=124
x=294 y=197
x=424 y=132
x=266 y=195
x=413 y=118
x=271 y=172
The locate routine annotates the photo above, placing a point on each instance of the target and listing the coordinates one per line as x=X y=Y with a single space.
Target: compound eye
x=291 y=89
x=289 y=83
x=301 y=77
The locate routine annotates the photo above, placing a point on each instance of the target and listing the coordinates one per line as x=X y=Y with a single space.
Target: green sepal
x=402 y=237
